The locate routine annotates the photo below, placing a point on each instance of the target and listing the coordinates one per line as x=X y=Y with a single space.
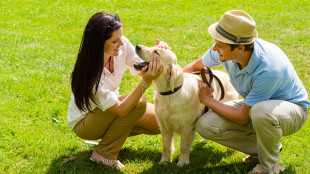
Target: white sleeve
x=131 y=56
x=106 y=98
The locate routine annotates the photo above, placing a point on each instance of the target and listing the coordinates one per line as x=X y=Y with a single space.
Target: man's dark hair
x=248 y=47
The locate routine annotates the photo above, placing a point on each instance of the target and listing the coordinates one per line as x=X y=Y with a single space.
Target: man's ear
x=241 y=48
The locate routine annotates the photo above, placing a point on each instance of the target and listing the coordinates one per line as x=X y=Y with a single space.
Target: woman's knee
x=142 y=103
x=139 y=108
x=88 y=133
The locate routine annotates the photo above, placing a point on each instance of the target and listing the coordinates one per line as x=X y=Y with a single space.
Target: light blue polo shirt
x=269 y=75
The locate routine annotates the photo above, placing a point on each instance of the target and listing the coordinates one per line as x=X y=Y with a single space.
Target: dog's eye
x=156 y=52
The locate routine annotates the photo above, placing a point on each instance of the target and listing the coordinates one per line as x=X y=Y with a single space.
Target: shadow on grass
x=82 y=164
x=204 y=159
x=207 y=160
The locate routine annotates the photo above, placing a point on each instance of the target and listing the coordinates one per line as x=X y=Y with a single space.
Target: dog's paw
x=162 y=162
x=165 y=159
x=183 y=162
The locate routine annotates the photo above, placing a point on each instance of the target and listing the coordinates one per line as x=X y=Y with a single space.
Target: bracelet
x=144 y=84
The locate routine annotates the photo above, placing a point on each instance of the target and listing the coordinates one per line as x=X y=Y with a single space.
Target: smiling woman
x=96 y=110
x=111 y=48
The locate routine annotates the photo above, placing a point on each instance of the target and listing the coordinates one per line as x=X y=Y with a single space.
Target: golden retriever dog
x=177 y=104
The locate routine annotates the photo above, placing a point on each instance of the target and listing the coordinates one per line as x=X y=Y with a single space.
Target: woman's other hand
x=162 y=44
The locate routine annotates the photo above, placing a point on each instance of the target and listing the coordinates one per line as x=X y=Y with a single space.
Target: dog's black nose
x=138 y=48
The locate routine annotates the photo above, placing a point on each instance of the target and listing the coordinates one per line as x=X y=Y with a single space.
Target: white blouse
x=107 y=93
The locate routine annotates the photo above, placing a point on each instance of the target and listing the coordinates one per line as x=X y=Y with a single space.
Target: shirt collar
x=254 y=60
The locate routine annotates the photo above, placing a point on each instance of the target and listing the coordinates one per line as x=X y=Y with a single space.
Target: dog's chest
x=180 y=109
x=177 y=114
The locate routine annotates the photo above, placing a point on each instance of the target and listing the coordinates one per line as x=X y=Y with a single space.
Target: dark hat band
x=233 y=38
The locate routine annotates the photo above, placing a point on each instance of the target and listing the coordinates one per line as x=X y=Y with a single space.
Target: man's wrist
x=208 y=100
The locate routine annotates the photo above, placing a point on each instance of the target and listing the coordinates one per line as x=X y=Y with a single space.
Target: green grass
x=39 y=41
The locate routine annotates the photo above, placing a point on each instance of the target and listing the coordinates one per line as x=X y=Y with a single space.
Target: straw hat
x=235 y=27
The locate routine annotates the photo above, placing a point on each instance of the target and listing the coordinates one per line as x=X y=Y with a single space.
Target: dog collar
x=170 y=92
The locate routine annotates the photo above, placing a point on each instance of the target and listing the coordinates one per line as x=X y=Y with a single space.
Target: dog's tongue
x=140 y=65
x=143 y=64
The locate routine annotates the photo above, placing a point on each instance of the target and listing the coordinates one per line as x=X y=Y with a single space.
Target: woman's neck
x=106 y=59
x=109 y=64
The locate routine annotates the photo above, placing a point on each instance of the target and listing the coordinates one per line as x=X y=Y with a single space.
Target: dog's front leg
x=187 y=138
x=167 y=137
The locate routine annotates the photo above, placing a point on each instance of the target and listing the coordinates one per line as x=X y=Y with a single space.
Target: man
x=275 y=101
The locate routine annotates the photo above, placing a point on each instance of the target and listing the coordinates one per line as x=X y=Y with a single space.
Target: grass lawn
x=39 y=41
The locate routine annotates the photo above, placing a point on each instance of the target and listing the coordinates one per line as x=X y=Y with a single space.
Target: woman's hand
x=153 y=70
x=162 y=44
x=205 y=93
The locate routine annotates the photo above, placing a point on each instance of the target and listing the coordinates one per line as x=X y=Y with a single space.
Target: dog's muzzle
x=138 y=47
x=139 y=65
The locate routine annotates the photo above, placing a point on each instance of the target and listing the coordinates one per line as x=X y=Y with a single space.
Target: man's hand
x=205 y=93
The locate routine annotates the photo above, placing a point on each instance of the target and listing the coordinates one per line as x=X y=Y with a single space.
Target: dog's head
x=166 y=56
x=168 y=59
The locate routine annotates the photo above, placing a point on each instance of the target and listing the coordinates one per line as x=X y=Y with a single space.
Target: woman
x=96 y=111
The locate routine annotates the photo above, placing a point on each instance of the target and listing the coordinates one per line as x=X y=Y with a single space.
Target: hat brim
x=217 y=36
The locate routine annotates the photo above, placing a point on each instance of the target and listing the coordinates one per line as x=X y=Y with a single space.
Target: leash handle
x=207 y=70
x=203 y=72
x=221 y=86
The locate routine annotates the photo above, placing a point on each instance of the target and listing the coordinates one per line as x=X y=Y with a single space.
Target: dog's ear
x=168 y=74
x=172 y=75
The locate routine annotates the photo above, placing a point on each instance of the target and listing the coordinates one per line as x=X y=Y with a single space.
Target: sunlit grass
x=39 y=41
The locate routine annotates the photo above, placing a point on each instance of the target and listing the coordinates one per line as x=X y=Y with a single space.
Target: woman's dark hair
x=248 y=47
x=89 y=65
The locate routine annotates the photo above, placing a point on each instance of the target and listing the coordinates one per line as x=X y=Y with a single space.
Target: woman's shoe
x=96 y=157
x=110 y=163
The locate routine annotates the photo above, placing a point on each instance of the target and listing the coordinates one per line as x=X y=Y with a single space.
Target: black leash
x=203 y=72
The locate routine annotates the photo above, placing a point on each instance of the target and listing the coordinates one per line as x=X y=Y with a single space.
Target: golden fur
x=178 y=112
